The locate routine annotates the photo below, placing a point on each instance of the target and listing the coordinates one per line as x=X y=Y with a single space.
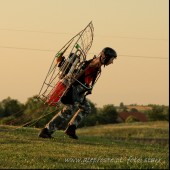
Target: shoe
x=71 y=131
x=45 y=133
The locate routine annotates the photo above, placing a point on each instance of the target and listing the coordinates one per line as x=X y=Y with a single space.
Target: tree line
x=35 y=113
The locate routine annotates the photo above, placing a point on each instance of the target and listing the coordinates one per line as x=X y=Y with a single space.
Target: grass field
x=118 y=146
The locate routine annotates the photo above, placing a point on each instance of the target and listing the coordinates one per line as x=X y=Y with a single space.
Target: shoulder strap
x=95 y=78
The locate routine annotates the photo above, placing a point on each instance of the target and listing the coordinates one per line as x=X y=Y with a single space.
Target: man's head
x=107 y=56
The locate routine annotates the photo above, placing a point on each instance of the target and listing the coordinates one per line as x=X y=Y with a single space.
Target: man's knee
x=86 y=108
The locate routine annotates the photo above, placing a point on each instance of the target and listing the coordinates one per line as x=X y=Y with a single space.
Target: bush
x=131 y=119
x=158 y=113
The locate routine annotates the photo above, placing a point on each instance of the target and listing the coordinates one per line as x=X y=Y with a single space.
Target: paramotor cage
x=66 y=66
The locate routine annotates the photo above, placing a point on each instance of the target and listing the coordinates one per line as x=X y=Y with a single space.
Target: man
x=76 y=106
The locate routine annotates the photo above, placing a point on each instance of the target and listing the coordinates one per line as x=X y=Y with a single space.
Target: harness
x=89 y=74
x=81 y=80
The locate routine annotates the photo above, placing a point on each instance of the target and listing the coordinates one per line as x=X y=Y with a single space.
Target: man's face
x=103 y=58
x=110 y=61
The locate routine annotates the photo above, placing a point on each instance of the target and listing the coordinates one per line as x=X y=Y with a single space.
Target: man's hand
x=88 y=92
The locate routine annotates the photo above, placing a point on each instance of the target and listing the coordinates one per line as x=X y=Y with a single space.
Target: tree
x=158 y=113
x=131 y=119
x=10 y=106
x=134 y=110
x=122 y=107
x=108 y=114
x=35 y=109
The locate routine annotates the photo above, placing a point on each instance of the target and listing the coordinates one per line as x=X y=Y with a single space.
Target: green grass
x=99 y=147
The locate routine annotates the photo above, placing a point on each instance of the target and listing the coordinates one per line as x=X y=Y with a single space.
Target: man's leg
x=58 y=122
x=84 y=110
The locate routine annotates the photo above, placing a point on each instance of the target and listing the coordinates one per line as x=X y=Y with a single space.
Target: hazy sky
x=32 y=31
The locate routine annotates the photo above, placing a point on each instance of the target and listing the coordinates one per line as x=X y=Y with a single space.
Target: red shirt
x=90 y=74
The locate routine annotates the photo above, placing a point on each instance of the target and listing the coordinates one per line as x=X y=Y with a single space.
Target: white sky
x=133 y=28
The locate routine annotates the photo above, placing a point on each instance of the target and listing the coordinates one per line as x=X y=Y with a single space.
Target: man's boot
x=45 y=133
x=71 y=131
